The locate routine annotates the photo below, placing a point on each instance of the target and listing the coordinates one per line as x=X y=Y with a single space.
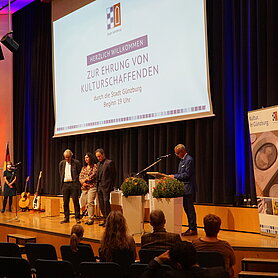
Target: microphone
x=17 y=164
x=164 y=156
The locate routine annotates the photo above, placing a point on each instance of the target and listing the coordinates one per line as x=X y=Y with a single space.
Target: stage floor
x=38 y=222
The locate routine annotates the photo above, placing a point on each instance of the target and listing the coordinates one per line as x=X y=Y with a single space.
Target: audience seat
x=14 y=268
x=136 y=269
x=100 y=270
x=36 y=251
x=146 y=255
x=54 y=269
x=9 y=249
x=84 y=254
x=210 y=259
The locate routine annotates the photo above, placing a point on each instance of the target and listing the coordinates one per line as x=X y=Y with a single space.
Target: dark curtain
x=242 y=49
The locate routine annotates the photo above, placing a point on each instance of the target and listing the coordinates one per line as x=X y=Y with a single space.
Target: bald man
x=69 y=170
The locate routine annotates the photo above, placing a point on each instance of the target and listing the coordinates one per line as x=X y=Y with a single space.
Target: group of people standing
x=93 y=179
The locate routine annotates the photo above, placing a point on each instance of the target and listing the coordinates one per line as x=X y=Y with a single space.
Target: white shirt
x=67 y=177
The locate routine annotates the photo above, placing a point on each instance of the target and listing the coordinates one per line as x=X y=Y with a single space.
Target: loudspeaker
x=1 y=54
x=10 y=43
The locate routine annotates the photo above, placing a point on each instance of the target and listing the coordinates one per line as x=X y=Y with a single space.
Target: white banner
x=263 y=126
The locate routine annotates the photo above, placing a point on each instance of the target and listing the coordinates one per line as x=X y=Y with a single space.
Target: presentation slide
x=130 y=63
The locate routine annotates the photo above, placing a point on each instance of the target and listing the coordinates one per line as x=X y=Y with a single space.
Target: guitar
x=24 y=200
x=36 y=201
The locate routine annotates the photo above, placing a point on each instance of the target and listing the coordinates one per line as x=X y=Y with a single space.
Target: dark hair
x=100 y=151
x=157 y=218
x=91 y=159
x=183 y=253
x=212 y=225
x=77 y=232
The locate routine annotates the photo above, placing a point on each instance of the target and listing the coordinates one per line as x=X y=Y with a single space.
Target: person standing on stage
x=186 y=174
x=69 y=170
x=106 y=176
x=9 y=187
x=88 y=182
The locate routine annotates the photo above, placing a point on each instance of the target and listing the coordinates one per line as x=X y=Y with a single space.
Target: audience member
x=210 y=242
x=159 y=238
x=115 y=237
x=183 y=259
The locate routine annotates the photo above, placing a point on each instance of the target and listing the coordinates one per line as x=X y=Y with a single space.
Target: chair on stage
x=9 y=249
x=210 y=259
x=14 y=267
x=36 y=251
x=100 y=270
x=146 y=255
x=54 y=269
x=84 y=253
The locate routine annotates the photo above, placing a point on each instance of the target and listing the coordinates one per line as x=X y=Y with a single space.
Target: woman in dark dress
x=9 y=187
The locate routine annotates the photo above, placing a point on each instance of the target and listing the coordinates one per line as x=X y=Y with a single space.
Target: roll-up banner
x=263 y=127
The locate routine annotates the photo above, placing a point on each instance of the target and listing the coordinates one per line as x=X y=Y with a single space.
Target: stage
x=49 y=230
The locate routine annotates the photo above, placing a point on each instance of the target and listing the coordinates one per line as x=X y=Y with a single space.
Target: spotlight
x=10 y=43
x=1 y=54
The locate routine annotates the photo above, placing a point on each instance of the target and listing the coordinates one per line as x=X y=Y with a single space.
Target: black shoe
x=90 y=222
x=190 y=233
x=78 y=221
x=102 y=224
x=10 y=210
x=65 y=221
x=2 y=210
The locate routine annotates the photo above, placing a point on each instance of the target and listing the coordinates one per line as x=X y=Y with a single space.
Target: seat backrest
x=84 y=253
x=100 y=270
x=136 y=269
x=53 y=269
x=146 y=255
x=36 y=251
x=9 y=249
x=210 y=259
x=14 y=267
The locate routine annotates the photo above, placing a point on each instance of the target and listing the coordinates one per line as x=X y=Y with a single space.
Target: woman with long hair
x=115 y=237
x=9 y=187
x=87 y=178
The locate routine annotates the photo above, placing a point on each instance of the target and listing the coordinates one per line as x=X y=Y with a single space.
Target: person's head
x=68 y=155
x=115 y=234
x=157 y=219
x=180 y=150
x=89 y=159
x=100 y=155
x=77 y=232
x=183 y=255
x=212 y=225
x=9 y=165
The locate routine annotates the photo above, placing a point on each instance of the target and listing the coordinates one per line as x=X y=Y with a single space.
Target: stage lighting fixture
x=1 y=54
x=10 y=43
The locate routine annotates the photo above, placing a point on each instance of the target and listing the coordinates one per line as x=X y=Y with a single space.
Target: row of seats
x=19 y=267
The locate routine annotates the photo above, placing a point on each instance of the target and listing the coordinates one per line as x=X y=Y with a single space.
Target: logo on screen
x=275 y=116
x=113 y=15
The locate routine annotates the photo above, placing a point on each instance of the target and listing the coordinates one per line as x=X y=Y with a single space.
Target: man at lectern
x=106 y=176
x=186 y=174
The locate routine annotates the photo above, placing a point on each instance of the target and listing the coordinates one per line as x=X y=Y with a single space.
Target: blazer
x=106 y=175
x=75 y=170
x=159 y=240
x=186 y=174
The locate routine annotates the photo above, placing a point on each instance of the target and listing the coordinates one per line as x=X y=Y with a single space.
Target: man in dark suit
x=106 y=176
x=69 y=170
x=159 y=238
x=186 y=174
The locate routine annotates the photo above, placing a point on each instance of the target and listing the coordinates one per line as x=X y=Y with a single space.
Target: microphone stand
x=147 y=168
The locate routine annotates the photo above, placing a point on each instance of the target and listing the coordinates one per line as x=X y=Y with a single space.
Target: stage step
x=255 y=274
x=259 y=264
x=21 y=239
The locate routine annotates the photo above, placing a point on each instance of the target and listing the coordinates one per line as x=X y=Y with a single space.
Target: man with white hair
x=69 y=170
